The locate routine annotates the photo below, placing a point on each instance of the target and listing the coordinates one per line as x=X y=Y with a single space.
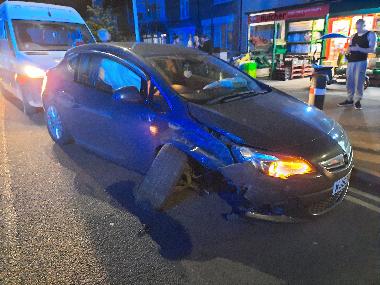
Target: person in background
x=361 y=44
x=176 y=40
x=190 y=43
x=206 y=44
x=196 y=42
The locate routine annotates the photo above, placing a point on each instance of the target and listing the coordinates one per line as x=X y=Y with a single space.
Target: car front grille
x=321 y=207
x=338 y=162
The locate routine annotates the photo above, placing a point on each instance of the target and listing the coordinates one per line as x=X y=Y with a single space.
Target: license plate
x=340 y=185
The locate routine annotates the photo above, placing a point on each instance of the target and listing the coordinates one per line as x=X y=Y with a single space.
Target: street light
x=136 y=21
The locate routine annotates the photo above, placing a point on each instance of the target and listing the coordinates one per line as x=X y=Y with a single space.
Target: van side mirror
x=129 y=94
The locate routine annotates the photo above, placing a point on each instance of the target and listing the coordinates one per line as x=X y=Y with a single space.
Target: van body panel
x=41 y=12
x=14 y=58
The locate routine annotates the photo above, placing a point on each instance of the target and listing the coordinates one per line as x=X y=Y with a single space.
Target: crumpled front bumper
x=297 y=196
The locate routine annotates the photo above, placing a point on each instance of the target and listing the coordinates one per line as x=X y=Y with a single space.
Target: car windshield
x=49 y=36
x=202 y=78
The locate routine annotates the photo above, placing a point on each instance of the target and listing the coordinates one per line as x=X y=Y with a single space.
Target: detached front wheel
x=166 y=172
x=55 y=126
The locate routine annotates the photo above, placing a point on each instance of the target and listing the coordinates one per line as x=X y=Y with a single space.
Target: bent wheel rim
x=54 y=123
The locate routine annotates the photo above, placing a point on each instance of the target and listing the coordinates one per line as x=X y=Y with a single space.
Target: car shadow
x=196 y=231
x=173 y=240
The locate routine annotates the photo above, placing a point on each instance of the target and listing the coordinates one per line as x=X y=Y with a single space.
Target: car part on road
x=164 y=174
x=272 y=218
x=55 y=126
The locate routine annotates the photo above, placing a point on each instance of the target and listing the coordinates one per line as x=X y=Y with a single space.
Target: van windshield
x=49 y=36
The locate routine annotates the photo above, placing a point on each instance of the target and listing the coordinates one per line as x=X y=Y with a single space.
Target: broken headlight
x=274 y=165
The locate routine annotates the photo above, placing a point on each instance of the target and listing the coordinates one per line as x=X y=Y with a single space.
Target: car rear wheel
x=169 y=170
x=55 y=126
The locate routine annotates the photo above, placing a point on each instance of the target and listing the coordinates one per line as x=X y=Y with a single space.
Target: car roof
x=141 y=50
x=147 y=49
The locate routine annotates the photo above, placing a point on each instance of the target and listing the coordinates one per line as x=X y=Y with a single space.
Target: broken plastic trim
x=271 y=218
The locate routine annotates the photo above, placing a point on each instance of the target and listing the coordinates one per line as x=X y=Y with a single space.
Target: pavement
x=68 y=216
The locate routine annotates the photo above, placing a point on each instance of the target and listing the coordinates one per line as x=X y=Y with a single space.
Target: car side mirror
x=129 y=94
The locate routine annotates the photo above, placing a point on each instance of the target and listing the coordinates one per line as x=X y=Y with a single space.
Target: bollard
x=318 y=90
x=312 y=92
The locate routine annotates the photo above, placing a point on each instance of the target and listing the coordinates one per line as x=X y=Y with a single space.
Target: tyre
x=55 y=126
x=161 y=179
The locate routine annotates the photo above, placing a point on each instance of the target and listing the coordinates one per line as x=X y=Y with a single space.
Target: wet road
x=68 y=217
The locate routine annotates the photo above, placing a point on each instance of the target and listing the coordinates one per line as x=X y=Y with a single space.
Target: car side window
x=116 y=75
x=86 y=69
x=72 y=63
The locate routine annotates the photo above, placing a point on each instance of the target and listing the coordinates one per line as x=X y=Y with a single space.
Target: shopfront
x=342 y=20
x=285 y=35
x=345 y=24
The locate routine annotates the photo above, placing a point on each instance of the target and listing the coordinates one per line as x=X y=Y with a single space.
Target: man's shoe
x=358 y=105
x=346 y=103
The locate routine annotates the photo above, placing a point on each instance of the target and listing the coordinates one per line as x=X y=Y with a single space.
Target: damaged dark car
x=178 y=115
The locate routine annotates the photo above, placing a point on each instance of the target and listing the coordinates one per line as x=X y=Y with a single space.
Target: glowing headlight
x=34 y=72
x=273 y=164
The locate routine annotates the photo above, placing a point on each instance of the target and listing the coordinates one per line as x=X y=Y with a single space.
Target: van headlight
x=34 y=72
x=274 y=165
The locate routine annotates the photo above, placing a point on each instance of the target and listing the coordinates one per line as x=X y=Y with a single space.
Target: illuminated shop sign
x=301 y=13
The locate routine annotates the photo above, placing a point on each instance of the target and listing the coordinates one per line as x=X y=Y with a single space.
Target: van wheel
x=55 y=126
x=165 y=173
x=28 y=109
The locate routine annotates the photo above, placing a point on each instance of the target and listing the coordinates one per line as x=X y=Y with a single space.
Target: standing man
x=206 y=44
x=362 y=43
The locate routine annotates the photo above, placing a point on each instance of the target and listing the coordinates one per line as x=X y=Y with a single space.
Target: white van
x=33 y=38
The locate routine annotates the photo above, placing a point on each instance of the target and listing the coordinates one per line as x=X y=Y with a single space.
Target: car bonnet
x=272 y=121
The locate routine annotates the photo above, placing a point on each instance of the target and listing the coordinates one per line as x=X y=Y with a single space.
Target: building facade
x=219 y=19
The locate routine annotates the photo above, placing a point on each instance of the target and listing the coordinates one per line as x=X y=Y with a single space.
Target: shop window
x=184 y=9
x=223 y=35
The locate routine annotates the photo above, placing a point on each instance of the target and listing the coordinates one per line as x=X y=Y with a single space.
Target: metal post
x=318 y=90
x=274 y=49
x=323 y=48
x=136 y=21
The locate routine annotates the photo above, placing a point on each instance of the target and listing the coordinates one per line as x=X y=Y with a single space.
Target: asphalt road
x=68 y=217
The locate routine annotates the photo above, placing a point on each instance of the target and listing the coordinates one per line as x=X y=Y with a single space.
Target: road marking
x=365 y=195
x=363 y=204
x=7 y=210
